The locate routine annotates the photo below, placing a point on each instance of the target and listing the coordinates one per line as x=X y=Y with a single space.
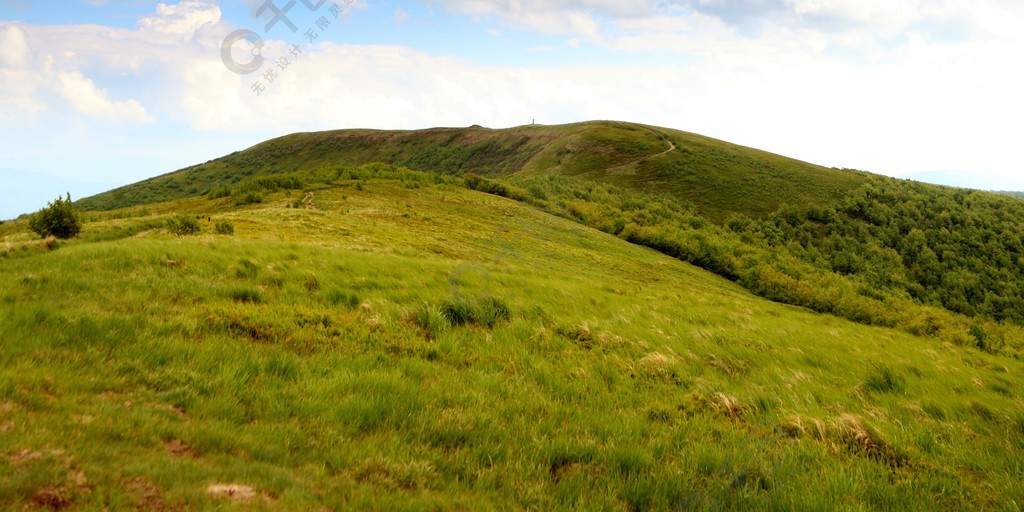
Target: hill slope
x=401 y=342
x=868 y=248
x=718 y=177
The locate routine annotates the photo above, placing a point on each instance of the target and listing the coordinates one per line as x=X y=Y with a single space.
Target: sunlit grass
x=403 y=348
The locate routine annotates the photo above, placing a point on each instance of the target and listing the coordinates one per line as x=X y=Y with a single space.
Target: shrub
x=224 y=227
x=248 y=198
x=479 y=183
x=182 y=225
x=978 y=333
x=59 y=219
x=219 y=192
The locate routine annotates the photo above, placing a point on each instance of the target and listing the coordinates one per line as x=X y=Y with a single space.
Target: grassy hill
x=718 y=177
x=389 y=339
x=931 y=260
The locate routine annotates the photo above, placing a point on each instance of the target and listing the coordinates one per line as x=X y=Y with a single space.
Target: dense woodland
x=954 y=248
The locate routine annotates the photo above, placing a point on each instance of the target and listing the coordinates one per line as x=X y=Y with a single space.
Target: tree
x=59 y=219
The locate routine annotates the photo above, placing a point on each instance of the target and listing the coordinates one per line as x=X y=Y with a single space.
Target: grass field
x=412 y=345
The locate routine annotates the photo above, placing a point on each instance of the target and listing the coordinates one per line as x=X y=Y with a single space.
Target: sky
x=96 y=94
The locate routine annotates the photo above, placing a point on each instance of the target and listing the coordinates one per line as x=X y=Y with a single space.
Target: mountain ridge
x=718 y=177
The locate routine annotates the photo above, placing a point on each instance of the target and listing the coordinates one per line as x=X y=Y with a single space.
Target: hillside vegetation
x=717 y=177
x=872 y=258
x=380 y=338
x=931 y=260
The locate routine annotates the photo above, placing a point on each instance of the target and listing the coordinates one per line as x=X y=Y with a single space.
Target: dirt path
x=671 y=145
x=630 y=166
x=671 y=148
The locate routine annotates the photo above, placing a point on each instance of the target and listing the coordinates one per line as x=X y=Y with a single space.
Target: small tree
x=59 y=219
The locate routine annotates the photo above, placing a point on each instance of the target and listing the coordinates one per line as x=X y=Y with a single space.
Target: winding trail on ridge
x=630 y=166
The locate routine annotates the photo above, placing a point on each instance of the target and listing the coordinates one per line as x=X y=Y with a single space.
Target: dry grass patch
x=234 y=492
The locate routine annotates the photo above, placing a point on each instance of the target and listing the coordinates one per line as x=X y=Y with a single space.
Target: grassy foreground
x=420 y=346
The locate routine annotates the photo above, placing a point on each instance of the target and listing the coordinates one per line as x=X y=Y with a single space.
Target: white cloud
x=14 y=50
x=18 y=83
x=402 y=16
x=88 y=99
x=578 y=17
x=184 y=18
x=37 y=61
x=888 y=12
x=789 y=87
x=519 y=8
x=18 y=100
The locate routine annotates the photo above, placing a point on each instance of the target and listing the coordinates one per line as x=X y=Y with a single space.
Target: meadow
x=929 y=260
x=405 y=343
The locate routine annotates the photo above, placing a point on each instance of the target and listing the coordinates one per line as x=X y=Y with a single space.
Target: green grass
x=440 y=348
x=717 y=177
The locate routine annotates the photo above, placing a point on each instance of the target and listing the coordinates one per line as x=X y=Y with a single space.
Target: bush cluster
x=59 y=219
x=224 y=227
x=183 y=225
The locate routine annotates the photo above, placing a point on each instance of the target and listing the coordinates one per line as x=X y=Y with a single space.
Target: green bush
x=248 y=198
x=219 y=192
x=59 y=219
x=182 y=225
x=224 y=227
x=481 y=184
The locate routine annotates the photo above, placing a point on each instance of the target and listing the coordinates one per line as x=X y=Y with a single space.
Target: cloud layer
x=892 y=86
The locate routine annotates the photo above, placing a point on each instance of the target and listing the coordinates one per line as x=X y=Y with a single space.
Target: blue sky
x=100 y=93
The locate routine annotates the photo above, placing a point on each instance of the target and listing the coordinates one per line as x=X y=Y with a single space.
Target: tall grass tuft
x=342 y=298
x=431 y=320
x=884 y=379
x=246 y=295
x=485 y=311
